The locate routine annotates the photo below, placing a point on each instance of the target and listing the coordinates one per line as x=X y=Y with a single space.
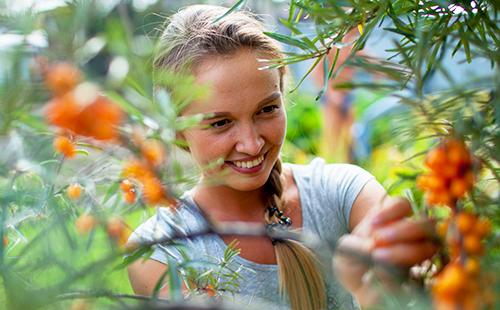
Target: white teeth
x=249 y=164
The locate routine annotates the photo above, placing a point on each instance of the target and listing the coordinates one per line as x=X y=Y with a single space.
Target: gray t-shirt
x=327 y=192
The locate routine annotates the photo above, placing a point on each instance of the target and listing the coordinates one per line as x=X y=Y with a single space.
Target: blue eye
x=220 y=124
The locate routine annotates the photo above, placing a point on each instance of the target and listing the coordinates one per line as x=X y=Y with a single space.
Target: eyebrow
x=275 y=95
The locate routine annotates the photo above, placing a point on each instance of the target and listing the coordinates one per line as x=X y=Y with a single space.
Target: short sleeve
x=342 y=184
x=159 y=227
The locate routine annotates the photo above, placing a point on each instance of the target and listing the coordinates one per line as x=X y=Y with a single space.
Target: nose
x=249 y=140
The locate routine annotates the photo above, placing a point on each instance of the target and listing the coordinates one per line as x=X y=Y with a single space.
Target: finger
x=392 y=209
x=405 y=254
x=354 y=244
x=406 y=230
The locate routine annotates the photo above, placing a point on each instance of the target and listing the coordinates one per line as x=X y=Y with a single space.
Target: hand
x=384 y=242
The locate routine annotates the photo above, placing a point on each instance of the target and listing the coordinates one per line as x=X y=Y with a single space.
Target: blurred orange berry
x=64 y=146
x=63 y=111
x=129 y=197
x=436 y=159
x=459 y=187
x=74 y=191
x=126 y=185
x=457 y=152
x=465 y=222
x=85 y=223
x=451 y=282
x=431 y=182
x=62 y=77
x=439 y=198
x=469 y=179
x=152 y=191
x=100 y=119
x=136 y=169
x=472 y=266
x=449 y=170
x=442 y=229
x=153 y=151
x=5 y=241
x=472 y=244
x=211 y=292
x=483 y=227
x=118 y=230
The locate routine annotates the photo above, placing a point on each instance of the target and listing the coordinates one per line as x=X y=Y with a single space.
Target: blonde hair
x=194 y=34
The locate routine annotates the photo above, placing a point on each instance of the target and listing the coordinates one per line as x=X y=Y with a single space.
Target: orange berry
x=469 y=178
x=472 y=245
x=64 y=146
x=483 y=227
x=152 y=191
x=117 y=230
x=436 y=158
x=126 y=185
x=100 y=119
x=449 y=170
x=136 y=169
x=62 y=77
x=74 y=191
x=115 y=227
x=431 y=182
x=5 y=241
x=211 y=292
x=85 y=223
x=153 y=151
x=439 y=198
x=63 y=111
x=472 y=266
x=442 y=229
x=457 y=152
x=451 y=282
x=459 y=187
x=129 y=197
x=465 y=222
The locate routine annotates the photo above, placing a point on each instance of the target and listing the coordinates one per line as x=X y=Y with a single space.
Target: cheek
x=205 y=147
x=275 y=131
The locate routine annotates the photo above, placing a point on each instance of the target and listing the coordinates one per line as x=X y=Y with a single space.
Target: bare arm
x=144 y=274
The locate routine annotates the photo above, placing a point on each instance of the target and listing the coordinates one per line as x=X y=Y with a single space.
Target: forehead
x=235 y=81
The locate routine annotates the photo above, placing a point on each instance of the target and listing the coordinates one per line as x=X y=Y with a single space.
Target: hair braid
x=300 y=278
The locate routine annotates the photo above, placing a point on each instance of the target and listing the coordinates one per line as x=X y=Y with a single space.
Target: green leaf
x=233 y=8
x=292 y=41
x=110 y=192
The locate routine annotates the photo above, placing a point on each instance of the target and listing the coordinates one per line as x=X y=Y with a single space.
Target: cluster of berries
x=458 y=284
x=450 y=174
x=143 y=172
x=78 y=108
x=450 y=178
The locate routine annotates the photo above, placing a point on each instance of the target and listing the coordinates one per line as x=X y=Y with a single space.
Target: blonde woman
x=245 y=125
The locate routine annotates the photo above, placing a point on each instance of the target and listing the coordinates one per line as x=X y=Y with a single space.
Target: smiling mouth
x=248 y=164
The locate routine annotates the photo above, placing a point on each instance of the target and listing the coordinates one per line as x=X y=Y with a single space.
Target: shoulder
x=328 y=191
x=318 y=174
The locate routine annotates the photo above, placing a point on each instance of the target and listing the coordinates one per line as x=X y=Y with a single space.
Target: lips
x=248 y=166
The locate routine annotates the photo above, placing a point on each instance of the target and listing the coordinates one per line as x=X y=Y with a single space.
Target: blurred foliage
x=46 y=262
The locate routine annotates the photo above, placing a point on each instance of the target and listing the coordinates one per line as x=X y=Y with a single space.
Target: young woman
x=245 y=126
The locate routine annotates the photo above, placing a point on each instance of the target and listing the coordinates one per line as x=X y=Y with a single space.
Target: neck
x=222 y=203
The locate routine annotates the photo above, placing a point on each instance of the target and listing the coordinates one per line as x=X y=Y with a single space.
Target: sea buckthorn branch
x=450 y=177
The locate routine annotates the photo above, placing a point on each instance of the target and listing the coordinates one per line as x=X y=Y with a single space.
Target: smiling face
x=245 y=120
